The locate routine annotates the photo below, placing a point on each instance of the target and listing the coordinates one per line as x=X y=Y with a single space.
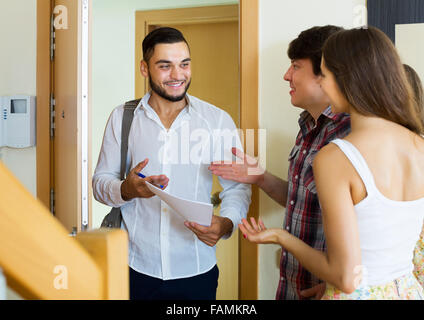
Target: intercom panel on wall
x=17 y=128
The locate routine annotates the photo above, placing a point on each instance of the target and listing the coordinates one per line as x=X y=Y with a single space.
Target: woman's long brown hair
x=416 y=84
x=371 y=76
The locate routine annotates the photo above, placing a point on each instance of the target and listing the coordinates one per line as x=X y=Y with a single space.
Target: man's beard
x=162 y=93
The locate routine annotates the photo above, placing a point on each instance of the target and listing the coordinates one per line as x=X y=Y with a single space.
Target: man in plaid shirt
x=318 y=126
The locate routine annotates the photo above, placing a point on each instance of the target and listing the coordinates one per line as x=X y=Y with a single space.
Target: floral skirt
x=403 y=288
x=419 y=261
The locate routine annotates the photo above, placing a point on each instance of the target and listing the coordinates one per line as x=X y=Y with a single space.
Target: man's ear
x=144 y=69
x=318 y=78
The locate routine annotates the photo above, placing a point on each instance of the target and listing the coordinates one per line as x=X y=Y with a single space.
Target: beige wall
x=280 y=22
x=113 y=62
x=18 y=35
x=18 y=76
x=411 y=49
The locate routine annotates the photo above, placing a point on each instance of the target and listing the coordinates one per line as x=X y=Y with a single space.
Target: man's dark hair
x=160 y=35
x=309 y=43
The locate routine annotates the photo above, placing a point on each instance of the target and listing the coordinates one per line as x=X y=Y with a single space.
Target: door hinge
x=52 y=38
x=52 y=115
x=52 y=200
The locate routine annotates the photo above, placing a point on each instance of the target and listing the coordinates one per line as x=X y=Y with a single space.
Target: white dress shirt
x=159 y=243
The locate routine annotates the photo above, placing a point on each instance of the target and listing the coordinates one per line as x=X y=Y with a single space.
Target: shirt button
x=292 y=202
x=164 y=210
x=304 y=151
x=287 y=228
x=296 y=177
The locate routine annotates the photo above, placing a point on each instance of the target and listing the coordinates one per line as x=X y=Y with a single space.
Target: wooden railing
x=41 y=261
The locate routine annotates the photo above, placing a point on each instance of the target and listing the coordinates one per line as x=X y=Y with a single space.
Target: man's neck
x=164 y=106
x=316 y=111
x=165 y=109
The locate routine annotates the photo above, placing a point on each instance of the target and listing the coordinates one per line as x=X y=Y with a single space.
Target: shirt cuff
x=115 y=195
x=235 y=218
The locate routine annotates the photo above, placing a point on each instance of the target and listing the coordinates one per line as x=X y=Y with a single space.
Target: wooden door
x=70 y=90
x=215 y=79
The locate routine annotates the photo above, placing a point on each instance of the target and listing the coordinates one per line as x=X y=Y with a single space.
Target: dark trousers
x=201 y=287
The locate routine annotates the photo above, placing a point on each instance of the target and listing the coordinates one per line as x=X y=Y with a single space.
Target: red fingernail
x=244 y=236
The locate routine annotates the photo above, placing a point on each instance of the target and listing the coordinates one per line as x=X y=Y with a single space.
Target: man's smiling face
x=169 y=70
x=305 y=90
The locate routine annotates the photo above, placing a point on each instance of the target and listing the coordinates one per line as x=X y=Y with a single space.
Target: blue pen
x=143 y=176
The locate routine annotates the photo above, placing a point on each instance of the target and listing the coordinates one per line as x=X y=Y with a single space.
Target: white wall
x=113 y=62
x=281 y=22
x=410 y=50
x=18 y=34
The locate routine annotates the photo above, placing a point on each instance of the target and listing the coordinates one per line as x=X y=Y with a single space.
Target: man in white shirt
x=173 y=139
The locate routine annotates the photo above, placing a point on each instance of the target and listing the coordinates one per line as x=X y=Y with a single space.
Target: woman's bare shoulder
x=330 y=157
x=329 y=151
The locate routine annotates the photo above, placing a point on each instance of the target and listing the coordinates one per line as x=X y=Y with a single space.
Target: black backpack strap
x=114 y=218
x=127 y=119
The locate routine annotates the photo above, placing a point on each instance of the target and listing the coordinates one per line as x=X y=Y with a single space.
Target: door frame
x=249 y=119
x=248 y=15
x=44 y=147
x=45 y=86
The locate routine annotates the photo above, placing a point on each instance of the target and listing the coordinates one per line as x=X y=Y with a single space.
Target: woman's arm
x=338 y=266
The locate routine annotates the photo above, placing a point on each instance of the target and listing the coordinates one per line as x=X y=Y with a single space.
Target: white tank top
x=388 y=229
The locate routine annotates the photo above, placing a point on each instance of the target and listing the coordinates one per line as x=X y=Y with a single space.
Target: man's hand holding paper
x=135 y=187
x=194 y=211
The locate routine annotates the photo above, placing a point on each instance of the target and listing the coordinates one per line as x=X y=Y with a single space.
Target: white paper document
x=193 y=211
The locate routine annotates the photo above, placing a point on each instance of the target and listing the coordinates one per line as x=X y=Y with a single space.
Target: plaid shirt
x=303 y=211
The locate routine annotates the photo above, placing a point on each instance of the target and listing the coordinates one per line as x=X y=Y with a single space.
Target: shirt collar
x=190 y=104
x=307 y=122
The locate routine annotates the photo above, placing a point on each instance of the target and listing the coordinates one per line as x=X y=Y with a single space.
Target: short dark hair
x=309 y=43
x=160 y=35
